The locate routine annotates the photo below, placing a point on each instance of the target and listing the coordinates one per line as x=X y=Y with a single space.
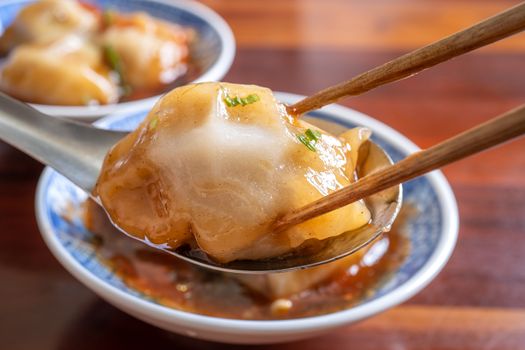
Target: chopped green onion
x=307 y=142
x=243 y=101
x=310 y=138
x=313 y=134
x=153 y=123
x=113 y=58
x=250 y=99
x=229 y=102
x=115 y=63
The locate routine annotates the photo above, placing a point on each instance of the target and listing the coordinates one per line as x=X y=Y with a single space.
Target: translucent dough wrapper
x=45 y=21
x=68 y=72
x=153 y=52
x=201 y=170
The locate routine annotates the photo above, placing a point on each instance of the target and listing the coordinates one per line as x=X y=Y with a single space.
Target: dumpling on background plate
x=45 y=21
x=70 y=71
x=65 y=52
x=152 y=53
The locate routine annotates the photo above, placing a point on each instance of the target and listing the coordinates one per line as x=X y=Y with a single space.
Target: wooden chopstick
x=486 y=32
x=477 y=139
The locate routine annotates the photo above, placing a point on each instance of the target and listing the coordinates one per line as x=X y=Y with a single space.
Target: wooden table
x=477 y=302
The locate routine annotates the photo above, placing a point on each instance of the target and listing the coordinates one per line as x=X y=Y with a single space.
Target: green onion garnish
x=310 y=138
x=113 y=58
x=307 y=142
x=250 y=99
x=313 y=135
x=229 y=102
x=115 y=63
x=243 y=101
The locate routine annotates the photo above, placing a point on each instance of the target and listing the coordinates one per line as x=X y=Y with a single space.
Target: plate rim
x=149 y=310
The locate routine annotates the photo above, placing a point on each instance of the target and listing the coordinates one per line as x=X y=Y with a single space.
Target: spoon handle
x=73 y=149
x=486 y=32
x=477 y=139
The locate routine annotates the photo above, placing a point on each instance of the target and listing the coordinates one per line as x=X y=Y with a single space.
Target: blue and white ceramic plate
x=212 y=53
x=432 y=235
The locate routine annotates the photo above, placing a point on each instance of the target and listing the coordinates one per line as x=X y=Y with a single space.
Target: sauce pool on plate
x=177 y=284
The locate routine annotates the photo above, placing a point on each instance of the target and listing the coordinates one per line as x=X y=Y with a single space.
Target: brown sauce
x=177 y=284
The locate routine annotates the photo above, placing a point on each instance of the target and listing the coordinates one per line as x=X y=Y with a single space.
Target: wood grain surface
x=301 y=46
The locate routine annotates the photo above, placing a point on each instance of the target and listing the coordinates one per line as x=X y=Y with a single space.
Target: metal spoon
x=77 y=151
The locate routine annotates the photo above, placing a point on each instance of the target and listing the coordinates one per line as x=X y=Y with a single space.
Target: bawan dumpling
x=69 y=71
x=152 y=53
x=46 y=21
x=214 y=164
